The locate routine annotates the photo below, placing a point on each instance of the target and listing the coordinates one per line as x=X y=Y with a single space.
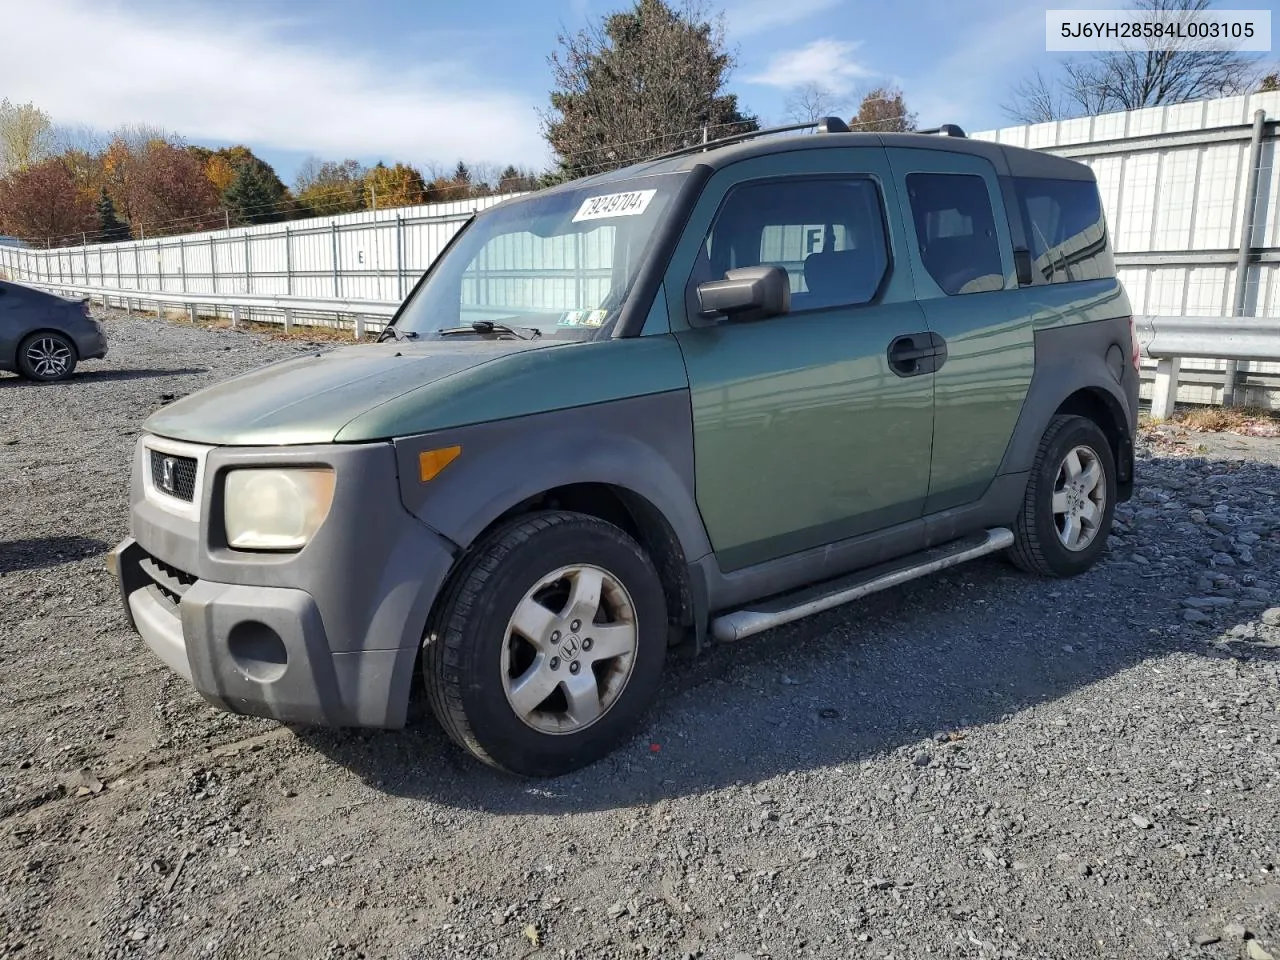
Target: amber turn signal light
x=431 y=462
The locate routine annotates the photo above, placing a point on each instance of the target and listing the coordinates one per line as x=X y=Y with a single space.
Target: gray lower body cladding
x=329 y=635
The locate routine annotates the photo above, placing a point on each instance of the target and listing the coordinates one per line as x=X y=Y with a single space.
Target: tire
x=46 y=356
x=526 y=707
x=1041 y=536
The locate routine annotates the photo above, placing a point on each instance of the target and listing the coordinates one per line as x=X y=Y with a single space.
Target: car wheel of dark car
x=1070 y=500
x=548 y=644
x=46 y=356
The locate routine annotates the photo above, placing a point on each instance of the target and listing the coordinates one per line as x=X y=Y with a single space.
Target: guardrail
x=1169 y=340
x=364 y=313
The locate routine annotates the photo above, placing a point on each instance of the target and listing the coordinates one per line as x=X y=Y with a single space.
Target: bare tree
x=1035 y=100
x=26 y=136
x=138 y=136
x=78 y=137
x=811 y=102
x=639 y=82
x=1138 y=76
x=308 y=172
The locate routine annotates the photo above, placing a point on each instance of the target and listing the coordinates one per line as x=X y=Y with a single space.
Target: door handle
x=917 y=353
x=903 y=355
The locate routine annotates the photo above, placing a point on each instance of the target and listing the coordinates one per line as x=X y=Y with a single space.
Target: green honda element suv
x=698 y=397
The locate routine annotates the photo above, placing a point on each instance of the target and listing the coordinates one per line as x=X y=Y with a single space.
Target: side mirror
x=1022 y=264
x=747 y=293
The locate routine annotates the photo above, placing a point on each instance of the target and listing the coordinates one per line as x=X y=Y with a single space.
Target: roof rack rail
x=823 y=125
x=946 y=130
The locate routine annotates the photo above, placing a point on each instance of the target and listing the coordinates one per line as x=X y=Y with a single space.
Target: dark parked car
x=44 y=336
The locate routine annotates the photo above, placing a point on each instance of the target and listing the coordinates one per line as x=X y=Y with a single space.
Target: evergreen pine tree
x=254 y=196
x=110 y=226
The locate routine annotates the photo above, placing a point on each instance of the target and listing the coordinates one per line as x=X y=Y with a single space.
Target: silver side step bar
x=803 y=603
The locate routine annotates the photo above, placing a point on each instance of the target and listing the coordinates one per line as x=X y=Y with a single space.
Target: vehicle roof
x=1007 y=160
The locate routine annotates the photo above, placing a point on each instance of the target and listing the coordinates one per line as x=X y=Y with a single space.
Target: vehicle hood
x=308 y=399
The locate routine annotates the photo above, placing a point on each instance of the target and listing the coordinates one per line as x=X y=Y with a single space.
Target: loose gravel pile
x=980 y=765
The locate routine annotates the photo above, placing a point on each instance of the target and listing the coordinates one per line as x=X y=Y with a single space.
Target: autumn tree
x=397 y=186
x=637 y=83
x=326 y=188
x=1269 y=83
x=219 y=171
x=171 y=193
x=883 y=110
x=41 y=203
x=26 y=136
x=110 y=229
x=1135 y=77
x=86 y=170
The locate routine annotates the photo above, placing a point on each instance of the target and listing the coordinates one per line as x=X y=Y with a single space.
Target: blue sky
x=427 y=81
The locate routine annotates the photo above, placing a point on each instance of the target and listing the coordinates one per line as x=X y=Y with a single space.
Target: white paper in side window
x=630 y=204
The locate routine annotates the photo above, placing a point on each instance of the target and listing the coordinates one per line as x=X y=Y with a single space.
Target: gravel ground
x=979 y=765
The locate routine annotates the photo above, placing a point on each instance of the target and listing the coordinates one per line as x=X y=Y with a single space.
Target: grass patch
x=1226 y=419
x=1249 y=421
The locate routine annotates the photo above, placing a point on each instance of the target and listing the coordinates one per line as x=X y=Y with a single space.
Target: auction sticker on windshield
x=630 y=204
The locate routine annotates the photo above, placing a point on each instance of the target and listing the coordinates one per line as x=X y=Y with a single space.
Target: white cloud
x=827 y=63
x=756 y=16
x=209 y=78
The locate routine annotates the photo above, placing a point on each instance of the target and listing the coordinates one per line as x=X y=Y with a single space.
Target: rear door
x=803 y=433
x=962 y=261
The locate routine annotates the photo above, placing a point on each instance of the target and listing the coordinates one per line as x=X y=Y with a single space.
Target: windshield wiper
x=396 y=335
x=489 y=327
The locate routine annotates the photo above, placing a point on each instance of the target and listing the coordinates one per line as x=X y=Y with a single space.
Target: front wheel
x=548 y=644
x=1070 y=500
x=47 y=357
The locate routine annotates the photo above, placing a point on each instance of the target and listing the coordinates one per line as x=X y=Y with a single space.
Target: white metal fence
x=373 y=255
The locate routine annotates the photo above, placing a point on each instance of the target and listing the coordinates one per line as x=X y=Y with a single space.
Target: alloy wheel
x=569 y=649
x=1079 y=498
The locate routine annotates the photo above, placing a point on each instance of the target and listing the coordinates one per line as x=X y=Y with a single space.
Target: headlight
x=276 y=509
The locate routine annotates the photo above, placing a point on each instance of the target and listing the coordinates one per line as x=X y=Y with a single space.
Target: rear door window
x=1065 y=228
x=956 y=231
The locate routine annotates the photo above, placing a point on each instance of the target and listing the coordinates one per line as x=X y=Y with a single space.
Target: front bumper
x=261 y=651
x=328 y=635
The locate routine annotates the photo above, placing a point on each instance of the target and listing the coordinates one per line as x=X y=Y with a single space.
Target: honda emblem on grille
x=168 y=469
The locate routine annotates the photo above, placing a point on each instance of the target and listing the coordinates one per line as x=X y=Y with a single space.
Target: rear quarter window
x=1066 y=230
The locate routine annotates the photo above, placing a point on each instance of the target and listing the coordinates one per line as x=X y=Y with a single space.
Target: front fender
x=641 y=444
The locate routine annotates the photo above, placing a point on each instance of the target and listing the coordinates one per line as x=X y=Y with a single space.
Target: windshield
x=561 y=264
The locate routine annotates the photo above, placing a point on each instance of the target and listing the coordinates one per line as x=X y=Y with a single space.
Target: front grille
x=170 y=583
x=174 y=475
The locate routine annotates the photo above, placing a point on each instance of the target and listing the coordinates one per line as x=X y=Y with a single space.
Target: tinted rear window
x=1066 y=230
x=956 y=231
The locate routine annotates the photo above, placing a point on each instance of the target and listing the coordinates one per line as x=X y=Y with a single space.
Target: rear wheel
x=548 y=644
x=1070 y=500
x=46 y=356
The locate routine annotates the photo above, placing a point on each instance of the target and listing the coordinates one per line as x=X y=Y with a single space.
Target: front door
x=805 y=430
